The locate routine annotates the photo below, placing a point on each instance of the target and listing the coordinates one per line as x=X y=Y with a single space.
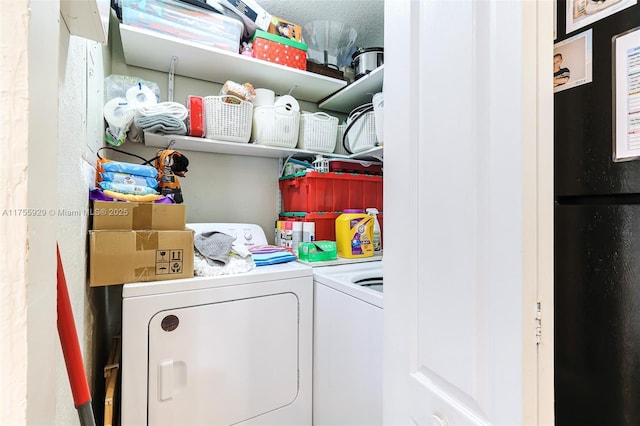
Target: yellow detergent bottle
x=354 y=234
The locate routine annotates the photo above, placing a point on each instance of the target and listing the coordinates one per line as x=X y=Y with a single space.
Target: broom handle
x=71 y=350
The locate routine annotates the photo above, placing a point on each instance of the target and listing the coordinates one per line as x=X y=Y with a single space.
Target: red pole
x=71 y=350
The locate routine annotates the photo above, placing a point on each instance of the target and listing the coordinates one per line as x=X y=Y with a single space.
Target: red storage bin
x=330 y=192
x=325 y=229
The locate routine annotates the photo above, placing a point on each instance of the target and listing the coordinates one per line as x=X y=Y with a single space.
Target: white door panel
x=459 y=319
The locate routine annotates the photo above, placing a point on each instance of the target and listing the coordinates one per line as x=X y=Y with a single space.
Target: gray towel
x=162 y=124
x=214 y=247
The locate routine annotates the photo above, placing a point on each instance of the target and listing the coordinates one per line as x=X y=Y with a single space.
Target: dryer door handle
x=165 y=380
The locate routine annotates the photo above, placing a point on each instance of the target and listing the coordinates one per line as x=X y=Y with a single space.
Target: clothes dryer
x=232 y=349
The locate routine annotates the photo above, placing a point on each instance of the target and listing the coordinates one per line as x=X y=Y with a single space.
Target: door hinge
x=538 y=324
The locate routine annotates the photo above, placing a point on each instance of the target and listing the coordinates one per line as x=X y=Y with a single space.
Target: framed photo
x=584 y=12
x=555 y=20
x=626 y=96
x=572 y=62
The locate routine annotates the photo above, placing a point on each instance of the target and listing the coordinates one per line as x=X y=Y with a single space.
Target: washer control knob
x=248 y=236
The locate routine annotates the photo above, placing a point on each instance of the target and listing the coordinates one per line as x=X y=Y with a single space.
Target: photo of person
x=584 y=12
x=572 y=62
x=561 y=75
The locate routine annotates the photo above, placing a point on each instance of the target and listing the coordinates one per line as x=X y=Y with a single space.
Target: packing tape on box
x=288 y=101
x=119 y=113
x=141 y=95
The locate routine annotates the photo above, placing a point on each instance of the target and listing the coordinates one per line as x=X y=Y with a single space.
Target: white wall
x=79 y=102
x=30 y=36
x=14 y=92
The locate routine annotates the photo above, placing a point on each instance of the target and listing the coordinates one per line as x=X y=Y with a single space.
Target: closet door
x=463 y=210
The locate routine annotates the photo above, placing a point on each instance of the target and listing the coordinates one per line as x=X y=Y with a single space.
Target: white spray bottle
x=376 y=229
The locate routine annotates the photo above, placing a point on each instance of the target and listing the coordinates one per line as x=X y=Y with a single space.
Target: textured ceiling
x=366 y=16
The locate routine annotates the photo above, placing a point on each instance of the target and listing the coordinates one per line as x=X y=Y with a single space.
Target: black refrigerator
x=597 y=242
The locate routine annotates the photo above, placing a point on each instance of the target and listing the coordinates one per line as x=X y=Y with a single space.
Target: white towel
x=173 y=109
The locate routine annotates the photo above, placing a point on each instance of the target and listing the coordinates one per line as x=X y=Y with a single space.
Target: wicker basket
x=227 y=118
x=362 y=134
x=317 y=132
x=275 y=126
x=339 y=145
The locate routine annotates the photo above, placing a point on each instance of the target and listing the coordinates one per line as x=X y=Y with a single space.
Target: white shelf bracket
x=172 y=70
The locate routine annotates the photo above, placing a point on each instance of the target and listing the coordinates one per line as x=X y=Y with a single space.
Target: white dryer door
x=223 y=363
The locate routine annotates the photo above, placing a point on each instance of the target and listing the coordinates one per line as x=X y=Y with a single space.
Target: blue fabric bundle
x=270 y=255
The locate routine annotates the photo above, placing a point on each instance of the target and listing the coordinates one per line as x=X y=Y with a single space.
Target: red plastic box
x=330 y=192
x=279 y=50
x=325 y=228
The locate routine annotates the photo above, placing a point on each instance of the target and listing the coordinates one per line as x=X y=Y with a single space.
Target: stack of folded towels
x=165 y=118
x=270 y=255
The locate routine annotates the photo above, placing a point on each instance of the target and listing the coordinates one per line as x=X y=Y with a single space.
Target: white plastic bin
x=361 y=132
x=378 y=109
x=227 y=118
x=317 y=132
x=275 y=126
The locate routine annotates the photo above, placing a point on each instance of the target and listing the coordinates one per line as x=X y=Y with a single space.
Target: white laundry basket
x=339 y=143
x=317 y=132
x=378 y=110
x=227 y=118
x=275 y=126
x=360 y=132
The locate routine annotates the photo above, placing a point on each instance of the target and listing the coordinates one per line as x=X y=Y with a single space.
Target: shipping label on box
x=119 y=256
x=138 y=216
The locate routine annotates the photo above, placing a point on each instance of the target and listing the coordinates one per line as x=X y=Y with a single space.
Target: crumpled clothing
x=214 y=246
x=236 y=265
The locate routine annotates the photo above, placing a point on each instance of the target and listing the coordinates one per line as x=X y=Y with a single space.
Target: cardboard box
x=138 y=216
x=252 y=10
x=284 y=28
x=118 y=257
x=279 y=50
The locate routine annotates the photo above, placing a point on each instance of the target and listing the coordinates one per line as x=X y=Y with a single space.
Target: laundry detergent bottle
x=354 y=234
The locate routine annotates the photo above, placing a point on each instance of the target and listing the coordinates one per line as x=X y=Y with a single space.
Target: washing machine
x=348 y=344
x=224 y=350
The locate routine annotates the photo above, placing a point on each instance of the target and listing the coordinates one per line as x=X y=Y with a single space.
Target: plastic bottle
x=308 y=232
x=354 y=234
x=377 y=240
x=287 y=241
x=278 y=232
x=296 y=236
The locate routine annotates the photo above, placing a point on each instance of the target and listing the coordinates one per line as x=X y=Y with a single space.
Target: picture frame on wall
x=626 y=95
x=555 y=20
x=581 y=13
x=572 y=62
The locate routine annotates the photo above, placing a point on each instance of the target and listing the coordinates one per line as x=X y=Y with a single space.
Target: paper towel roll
x=288 y=101
x=141 y=95
x=264 y=97
x=119 y=113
